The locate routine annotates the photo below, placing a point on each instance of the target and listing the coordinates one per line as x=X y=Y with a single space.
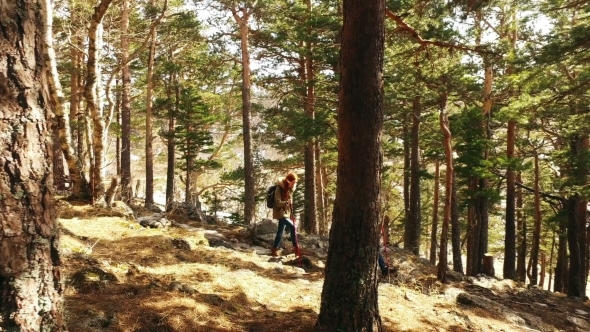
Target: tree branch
x=425 y=42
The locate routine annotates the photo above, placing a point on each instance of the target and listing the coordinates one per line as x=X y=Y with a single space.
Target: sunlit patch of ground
x=159 y=288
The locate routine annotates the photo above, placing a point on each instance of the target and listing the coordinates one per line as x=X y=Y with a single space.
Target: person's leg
x=282 y=223
x=381 y=262
x=293 y=231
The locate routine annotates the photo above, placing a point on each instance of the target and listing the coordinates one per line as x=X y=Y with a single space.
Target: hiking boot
x=274 y=253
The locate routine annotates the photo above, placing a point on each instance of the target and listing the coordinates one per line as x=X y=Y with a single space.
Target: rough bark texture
x=349 y=296
x=510 y=236
x=30 y=290
x=574 y=287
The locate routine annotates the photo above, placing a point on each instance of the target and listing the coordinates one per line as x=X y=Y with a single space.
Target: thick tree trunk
x=434 y=229
x=349 y=296
x=414 y=222
x=30 y=289
x=510 y=235
x=561 y=261
x=126 y=185
x=574 y=287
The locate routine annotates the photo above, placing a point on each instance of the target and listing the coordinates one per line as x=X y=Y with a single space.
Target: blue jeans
x=284 y=222
x=381 y=262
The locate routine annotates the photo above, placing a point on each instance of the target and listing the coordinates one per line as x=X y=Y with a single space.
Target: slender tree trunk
x=349 y=296
x=322 y=227
x=473 y=250
x=77 y=179
x=521 y=226
x=30 y=288
x=456 y=229
x=445 y=128
x=510 y=235
x=171 y=144
x=433 y=242
x=93 y=101
x=118 y=139
x=149 y=153
x=551 y=259
x=414 y=222
x=126 y=185
x=582 y=212
x=407 y=163
x=249 y=203
x=537 y=229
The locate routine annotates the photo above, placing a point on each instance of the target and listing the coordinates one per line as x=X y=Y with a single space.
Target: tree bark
x=126 y=185
x=77 y=180
x=456 y=229
x=171 y=143
x=574 y=286
x=521 y=227
x=349 y=296
x=559 y=283
x=445 y=128
x=510 y=235
x=93 y=101
x=30 y=288
x=149 y=139
x=242 y=16
x=310 y=208
x=407 y=164
x=414 y=222
x=537 y=228
x=321 y=207
x=434 y=229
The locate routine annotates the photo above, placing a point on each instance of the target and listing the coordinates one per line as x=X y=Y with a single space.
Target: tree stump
x=488 y=265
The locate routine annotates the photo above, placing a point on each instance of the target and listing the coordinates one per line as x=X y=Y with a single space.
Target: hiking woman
x=283 y=210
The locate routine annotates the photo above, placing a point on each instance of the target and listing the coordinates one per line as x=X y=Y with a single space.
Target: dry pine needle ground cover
x=119 y=276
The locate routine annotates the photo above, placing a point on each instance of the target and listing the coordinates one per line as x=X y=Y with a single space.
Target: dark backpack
x=270 y=196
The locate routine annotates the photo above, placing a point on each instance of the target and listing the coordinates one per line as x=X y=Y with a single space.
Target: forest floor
x=120 y=276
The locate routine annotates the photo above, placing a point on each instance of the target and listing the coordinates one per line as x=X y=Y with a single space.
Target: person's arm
x=278 y=201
